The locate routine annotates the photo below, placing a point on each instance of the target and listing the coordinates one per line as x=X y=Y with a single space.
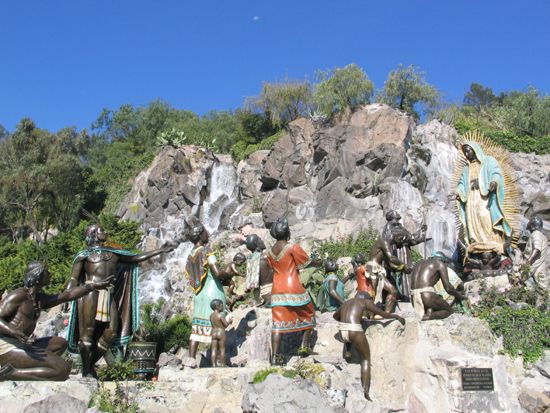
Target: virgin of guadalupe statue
x=486 y=196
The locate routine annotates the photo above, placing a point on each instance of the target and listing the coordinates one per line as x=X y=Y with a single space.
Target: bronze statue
x=331 y=295
x=105 y=319
x=535 y=253
x=204 y=278
x=292 y=308
x=359 y=272
x=219 y=324
x=381 y=256
x=402 y=252
x=428 y=305
x=226 y=279
x=486 y=194
x=21 y=357
x=259 y=275
x=349 y=316
x=487 y=263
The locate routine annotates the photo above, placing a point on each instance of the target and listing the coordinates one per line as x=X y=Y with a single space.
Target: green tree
x=406 y=89
x=342 y=88
x=283 y=102
x=40 y=181
x=3 y=133
x=479 y=96
x=525 y=113
x=256 y=126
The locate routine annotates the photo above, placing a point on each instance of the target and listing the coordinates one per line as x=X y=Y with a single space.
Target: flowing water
x=222 y=192
x=168 y=275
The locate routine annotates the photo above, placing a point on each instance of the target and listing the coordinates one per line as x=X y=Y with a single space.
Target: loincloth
x=103 y=309
x=8 y=344
x=416 y=298
x=345 y=328
x=376 y=272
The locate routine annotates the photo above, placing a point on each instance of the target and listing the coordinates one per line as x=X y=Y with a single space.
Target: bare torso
x=352 y=311
x=379 y=251
x=99 y=265
x=426 y=273
x=25 y=316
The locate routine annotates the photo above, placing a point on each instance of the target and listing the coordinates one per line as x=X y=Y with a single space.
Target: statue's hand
x=492 y=186
x=408 y=269
x=19 y=335
x=168 y=248
x=106 y=283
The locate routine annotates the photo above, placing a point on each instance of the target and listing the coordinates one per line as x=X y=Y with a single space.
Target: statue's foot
x=367 y=396
x=5 y=371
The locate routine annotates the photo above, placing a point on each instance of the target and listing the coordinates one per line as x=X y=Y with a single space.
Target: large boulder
x=314 y=174
x=280 y=394
x=72 y=395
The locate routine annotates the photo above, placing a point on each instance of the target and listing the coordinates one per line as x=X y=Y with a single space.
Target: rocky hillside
x=328 y=180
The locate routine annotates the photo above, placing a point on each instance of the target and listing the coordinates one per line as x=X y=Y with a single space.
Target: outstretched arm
x=444 y=275
x=49 y=301
x=144 y=256
x=374 y=309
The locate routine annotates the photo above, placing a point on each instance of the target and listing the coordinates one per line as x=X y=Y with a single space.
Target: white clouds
x=256 y=18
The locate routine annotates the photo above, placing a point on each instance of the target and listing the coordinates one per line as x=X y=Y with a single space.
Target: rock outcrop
x=329 y=181
x=415 y=368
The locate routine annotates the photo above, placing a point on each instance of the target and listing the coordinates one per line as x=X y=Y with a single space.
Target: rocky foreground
x=415 y=368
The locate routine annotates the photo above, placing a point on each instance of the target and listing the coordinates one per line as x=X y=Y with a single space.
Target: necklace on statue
x=37 y=306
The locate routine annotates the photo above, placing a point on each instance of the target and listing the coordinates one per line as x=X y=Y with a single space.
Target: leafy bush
x=526 y=330
x=166 y=333
x=349 y=246
x=341 y=89
x=118 y=371
x=507 y=139
x=242 y=150
x=302 y=368
x=59 y=252
x=120 y=399
x=262 y=374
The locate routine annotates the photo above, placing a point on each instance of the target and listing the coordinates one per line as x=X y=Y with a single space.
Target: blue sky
x=62 y=62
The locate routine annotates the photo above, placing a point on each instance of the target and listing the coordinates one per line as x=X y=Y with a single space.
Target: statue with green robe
x=480 y=195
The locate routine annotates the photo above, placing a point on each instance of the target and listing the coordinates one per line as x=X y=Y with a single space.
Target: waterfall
x=222 y=192
x=168 y=276
x=157 y=282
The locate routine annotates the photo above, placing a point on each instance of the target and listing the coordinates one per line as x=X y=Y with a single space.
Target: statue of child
x=219 y=324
